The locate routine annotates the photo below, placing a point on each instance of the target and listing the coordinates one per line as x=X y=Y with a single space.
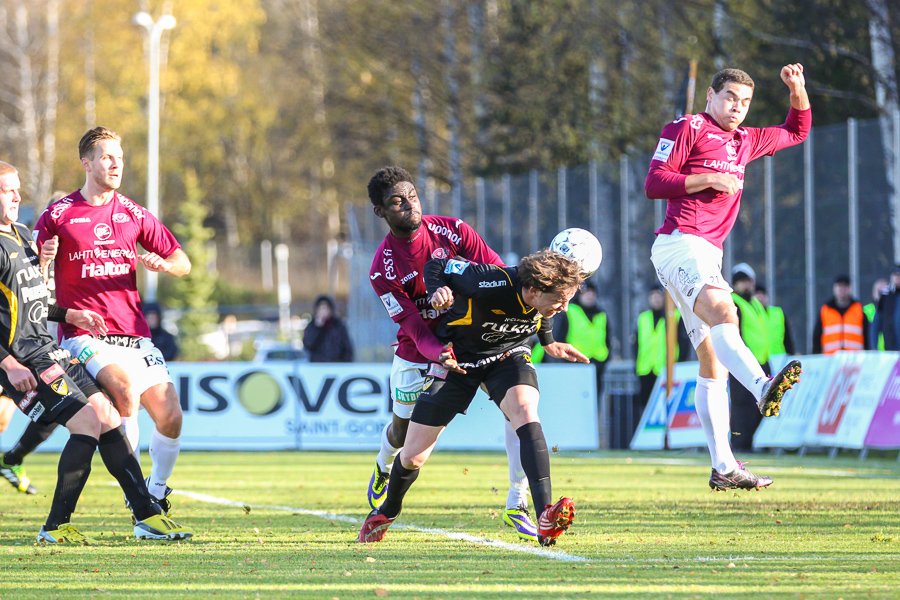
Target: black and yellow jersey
x=488 y=316
x=23 y=305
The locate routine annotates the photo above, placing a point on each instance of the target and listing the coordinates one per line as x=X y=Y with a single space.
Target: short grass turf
x=647 y=526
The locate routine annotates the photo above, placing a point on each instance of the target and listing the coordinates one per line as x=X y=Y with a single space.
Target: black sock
x=400 y=482
x=121 y=463
x=34 y=435
x=72 y=473
x=536 y=464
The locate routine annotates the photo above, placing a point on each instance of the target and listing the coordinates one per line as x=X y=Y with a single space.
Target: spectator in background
x=161 y=338
x=650 y=345
x=887 y=315
x=841 y=324
x=778 y=328
x=881 y=286
x=326 y=338
x=753 y=321
x=585 y=327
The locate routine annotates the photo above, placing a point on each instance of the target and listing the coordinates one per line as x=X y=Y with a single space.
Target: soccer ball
x=581 y=246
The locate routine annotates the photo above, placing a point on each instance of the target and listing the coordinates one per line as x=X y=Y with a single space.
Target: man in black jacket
x=326 y=338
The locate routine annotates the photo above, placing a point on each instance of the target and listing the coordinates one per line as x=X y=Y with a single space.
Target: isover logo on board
x=260 y=392
x=837 y=398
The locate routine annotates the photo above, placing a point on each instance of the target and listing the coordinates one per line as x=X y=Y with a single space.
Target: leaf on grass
x=246 y=508
x=465 y=471
x=554 y=449
x=381 y=592
x=370 y=559
x=731 y=565
x=492 y=513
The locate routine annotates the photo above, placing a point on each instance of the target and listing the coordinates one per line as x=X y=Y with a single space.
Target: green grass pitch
x=647 y=526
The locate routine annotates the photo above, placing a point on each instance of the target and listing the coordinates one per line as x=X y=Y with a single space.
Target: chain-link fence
x=808 y=214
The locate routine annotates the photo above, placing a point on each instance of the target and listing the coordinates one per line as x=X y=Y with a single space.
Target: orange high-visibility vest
x=842 y=332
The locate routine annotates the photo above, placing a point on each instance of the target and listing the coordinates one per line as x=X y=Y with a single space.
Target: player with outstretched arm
x=698 y=167
x=493 y=311
x=396 y=276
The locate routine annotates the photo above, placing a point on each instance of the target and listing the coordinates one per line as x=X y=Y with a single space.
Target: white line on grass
x=453 y=535
x=555 y=555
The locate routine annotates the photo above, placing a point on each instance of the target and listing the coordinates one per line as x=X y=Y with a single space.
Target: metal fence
x=808 y=214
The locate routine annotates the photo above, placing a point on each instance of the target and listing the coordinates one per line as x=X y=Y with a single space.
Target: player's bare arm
x=566 y=351
x=19 y=375
x=723 y=182
x=177 y=264
x=792 y=76
x=442 y=298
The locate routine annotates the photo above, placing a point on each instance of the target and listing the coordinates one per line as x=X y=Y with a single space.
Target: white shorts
x=684 y=264
x=144 y=364
x=407 y=379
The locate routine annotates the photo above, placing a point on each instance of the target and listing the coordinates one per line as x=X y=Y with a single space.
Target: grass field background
x=647 y=526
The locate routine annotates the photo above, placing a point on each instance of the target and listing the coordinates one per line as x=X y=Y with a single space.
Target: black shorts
x=62 y=388
x=443 y=399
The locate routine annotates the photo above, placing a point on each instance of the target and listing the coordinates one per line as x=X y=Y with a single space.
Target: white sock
x=385 y=458
x=132 y=434
x=518 y=483
x=711 y=402
x=735 y=356
x=164 y=452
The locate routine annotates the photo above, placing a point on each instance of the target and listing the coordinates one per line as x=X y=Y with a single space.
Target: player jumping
x=698 y=167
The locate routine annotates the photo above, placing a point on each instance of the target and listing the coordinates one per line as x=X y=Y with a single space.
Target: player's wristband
x=56 y=313
x=545 y=337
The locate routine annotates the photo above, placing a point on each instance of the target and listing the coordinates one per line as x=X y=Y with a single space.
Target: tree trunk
x=886 y=98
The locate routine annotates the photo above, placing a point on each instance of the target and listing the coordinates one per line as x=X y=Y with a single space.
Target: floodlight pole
x=154 y=30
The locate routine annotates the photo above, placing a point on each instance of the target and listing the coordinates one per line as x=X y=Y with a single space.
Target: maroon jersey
x=96 y=263
x=396 y=276
x=696 y=144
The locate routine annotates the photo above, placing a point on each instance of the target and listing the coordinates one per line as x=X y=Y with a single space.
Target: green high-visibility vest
x=651 y=350
x=775 y=320
x=869 y=310
x=588 y=337
x=753 y=327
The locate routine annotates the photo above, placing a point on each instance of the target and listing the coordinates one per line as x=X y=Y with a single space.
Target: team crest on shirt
x=731 y=148
x=121 y=218
x=440 y=253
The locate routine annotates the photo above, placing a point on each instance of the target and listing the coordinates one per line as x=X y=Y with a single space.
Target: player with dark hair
x=93 y=234
x=493 y=311
x=396 y=276
x=699 y=167
x=50 y=388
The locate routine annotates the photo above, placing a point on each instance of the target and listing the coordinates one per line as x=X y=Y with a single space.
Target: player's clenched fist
x=442 y=298
x=154 y=262
x=49 y=249
x=792 y=75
